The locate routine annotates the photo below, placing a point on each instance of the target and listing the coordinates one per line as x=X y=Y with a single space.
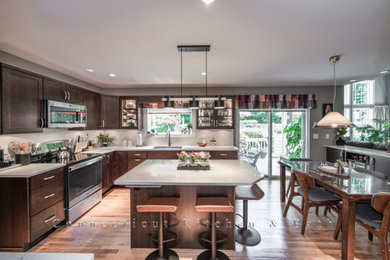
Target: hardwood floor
x=281 y=238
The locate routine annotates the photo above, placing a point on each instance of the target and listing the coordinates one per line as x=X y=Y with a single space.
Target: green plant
x=189 y=126
x=293 y=133
x=252 y=134
x=374 y=135
x=105 y=138
x=341 y=132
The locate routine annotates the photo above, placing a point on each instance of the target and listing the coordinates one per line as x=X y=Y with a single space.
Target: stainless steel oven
x=64 y=115
x=83 y=187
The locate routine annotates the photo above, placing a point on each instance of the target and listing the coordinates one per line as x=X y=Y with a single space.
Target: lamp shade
x=334 y=120
x=169 y=103
x=194 y=104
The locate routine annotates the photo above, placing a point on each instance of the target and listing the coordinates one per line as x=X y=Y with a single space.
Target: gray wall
x=36 y=68
x=324 y=94
x=382 y=90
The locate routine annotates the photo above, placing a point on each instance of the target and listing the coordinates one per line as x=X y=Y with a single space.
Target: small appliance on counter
x=139 y=139
x=5 y=161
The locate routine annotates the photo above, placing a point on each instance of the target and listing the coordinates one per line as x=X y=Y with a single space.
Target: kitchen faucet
x=169 y=137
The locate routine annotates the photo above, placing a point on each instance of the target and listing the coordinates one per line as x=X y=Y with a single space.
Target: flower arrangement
x=193 y=159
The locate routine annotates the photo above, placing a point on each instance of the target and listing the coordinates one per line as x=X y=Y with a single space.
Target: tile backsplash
x=223 y=137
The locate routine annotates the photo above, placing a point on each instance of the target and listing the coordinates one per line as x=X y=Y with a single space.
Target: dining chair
x=375 y=217
x=312 y=196
x=296 y=160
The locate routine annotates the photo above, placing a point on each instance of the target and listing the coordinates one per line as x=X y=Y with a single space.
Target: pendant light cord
x=181 y=73
x=334 y=87
x=206 y=72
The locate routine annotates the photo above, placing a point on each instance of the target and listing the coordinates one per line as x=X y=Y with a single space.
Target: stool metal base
x=248 y=237
x=206 y=255
x=168 y=255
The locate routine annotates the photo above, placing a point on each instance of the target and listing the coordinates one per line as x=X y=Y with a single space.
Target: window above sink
x=177 y=121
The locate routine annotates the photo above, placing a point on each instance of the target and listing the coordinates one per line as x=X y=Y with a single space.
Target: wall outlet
x=315 y=136
x=327 y=136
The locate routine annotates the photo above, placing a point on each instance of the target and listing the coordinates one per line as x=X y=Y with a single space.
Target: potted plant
x=182 y=156
x=340 y=133
x=293 y=133
x=105 y=139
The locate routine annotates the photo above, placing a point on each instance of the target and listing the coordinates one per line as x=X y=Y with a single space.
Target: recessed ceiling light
x=89 y=70
x=352 y=80
x=384 y=71
x=203 y=73
x=111 y=75
x=207 y=1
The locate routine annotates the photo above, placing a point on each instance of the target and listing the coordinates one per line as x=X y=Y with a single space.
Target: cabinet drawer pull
x=137 y=160
x=49 y=196
x=48 y=178
x=137 y=154
x=223 y=154
x=66 y=95
x=50 y=218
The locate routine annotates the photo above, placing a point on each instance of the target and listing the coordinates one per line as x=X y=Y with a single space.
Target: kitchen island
x=162 y=179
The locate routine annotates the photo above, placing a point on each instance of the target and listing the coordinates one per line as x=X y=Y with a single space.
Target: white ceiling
x=253 y=42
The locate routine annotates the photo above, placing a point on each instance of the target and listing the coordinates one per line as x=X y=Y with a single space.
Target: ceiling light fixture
x=352 y=80
x=111 y=75
x=334 y=119
x=207 y=1
x=89 y=70
x=203 y=73
x=384 y=71
x=193 y=101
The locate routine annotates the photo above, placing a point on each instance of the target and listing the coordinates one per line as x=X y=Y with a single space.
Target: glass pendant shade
x=219 y=104
x=334 y=120
x=169 y=103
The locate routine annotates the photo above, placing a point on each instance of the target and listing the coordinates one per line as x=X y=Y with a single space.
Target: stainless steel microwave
x=64 y=115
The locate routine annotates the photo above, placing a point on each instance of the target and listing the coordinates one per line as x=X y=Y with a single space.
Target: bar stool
x=160 y=205
x=213 y=205
x=247 y=235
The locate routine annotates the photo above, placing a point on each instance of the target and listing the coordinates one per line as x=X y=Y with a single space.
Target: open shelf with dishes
x=129 y=112
x=210 y=118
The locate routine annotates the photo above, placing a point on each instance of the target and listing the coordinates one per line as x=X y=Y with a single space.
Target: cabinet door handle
x=102 y=123
x=42 y=122
x=50 y=218
x=137 y=160
x=48 y=178
x=68 y=95
x=65 y=95
x=49 y=196
x=223 y=154
x=137 y=154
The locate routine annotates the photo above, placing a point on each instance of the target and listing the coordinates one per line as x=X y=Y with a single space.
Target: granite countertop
x=45 y=256
x=164 y=172
x=30 y=170
x=360 y=150
x=104 y=150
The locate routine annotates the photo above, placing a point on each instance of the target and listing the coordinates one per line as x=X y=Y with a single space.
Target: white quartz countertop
x=360 y=150
x=45 y=256
x=164 y=172
x=109 y=149
x=30 y=170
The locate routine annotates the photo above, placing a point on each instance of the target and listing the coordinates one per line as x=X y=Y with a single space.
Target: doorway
x=264 y=135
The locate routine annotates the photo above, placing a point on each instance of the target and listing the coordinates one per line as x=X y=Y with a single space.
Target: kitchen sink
x=168 y=147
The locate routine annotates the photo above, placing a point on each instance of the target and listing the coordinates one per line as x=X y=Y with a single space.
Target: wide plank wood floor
x=104 y=233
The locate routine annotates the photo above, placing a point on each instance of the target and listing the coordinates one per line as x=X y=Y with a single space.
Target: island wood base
x=189 y=221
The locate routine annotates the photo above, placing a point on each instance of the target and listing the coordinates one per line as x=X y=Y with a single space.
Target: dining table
x=352 y=187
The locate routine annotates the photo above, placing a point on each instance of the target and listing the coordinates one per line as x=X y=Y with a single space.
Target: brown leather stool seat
x=213 y=205
x=161 y=205
x=247 y=235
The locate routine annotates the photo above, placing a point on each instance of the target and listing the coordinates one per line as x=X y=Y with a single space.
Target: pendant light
x=334 y=119
x=193 y=101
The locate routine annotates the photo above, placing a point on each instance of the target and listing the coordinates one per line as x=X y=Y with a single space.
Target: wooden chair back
x=379 y=201
x=304 y=180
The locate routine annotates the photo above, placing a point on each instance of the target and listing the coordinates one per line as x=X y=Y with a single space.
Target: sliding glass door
x=266 y=135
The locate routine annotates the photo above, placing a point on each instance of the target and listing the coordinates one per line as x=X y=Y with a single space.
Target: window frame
x=349 y=104
x=170 y=111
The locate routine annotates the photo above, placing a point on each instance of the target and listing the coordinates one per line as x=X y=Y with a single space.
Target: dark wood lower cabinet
x=29 y=209
x=231 y=155
x=109 y=171
x=162 y=154
x=121 y=163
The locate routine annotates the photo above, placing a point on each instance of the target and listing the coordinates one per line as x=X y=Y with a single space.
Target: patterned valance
x=275 y=101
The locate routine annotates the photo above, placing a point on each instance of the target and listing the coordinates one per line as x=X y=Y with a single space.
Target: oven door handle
x=84 y=164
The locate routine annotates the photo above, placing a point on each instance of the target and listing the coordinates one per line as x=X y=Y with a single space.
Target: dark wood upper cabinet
x=109 y=112
x=210 y=118
x=92 y=102
x=21 y=101
x=60 y=91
